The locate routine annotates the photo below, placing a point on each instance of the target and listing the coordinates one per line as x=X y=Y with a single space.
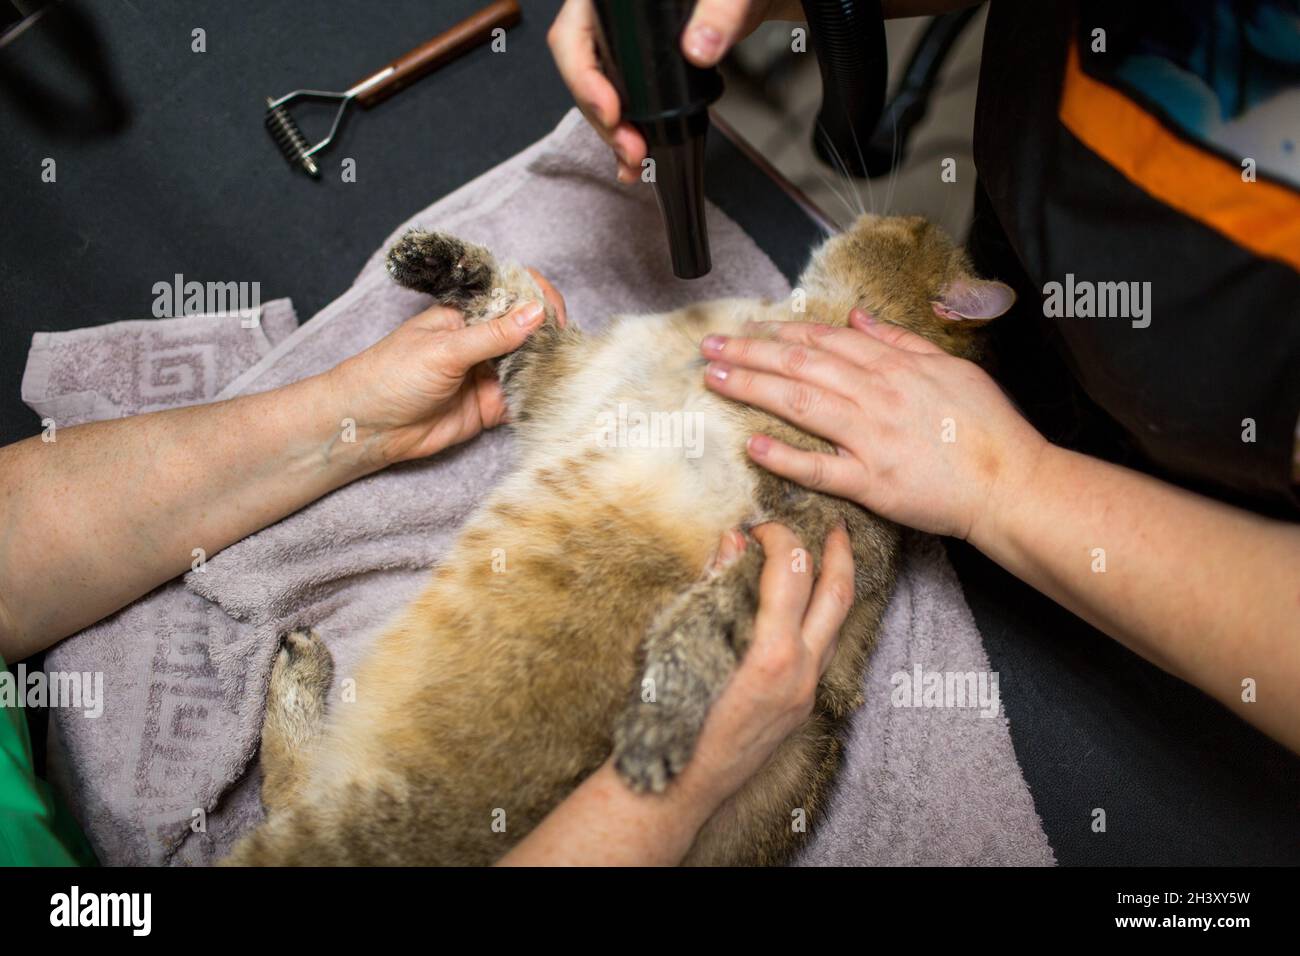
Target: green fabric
x=35 y=828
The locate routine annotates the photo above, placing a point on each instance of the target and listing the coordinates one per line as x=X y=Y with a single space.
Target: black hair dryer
x=668 y=99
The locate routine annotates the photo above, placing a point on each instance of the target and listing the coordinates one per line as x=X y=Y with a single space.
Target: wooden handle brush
x=383 y=83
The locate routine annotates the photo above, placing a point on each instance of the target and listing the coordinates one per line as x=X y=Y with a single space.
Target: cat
x=581 y=581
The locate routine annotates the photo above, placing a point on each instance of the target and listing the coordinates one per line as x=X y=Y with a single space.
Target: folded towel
x=144 y=365
x=166 y=776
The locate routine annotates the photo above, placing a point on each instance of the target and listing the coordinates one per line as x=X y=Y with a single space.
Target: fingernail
x=862 y=316
x=704 y=43
x=719 y=371
x=529 y=314
x=759 y=445
x=713 y=344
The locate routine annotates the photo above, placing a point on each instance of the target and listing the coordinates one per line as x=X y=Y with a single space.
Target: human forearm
x=96 y=518
x=110 y=510
x=1208 y=592
x=604 y=823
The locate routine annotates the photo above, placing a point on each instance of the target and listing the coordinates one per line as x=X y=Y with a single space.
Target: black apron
x=1223 y=343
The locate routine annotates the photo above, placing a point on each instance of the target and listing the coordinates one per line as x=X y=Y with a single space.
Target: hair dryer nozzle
x=667 y=99
x=679 y=187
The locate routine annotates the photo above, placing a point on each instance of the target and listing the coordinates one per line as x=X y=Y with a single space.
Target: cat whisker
x=836 y=193
x=862 y=165
x=838 y=165
x=893 y=162
x=840 y=168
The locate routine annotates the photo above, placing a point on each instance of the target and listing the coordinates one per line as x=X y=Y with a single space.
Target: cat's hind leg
x=295 y=716
x=693 y=646
x=689 y=651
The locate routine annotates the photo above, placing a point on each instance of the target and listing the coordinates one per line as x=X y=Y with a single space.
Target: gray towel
x=168 y=775
x=144 y=365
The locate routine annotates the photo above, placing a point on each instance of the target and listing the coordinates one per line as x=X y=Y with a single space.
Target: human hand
x=427 y=386
x=772 y=691
x=922 y=438
x=714 y=28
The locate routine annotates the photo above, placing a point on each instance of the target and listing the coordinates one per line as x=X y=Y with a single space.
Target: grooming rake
x=380 y=85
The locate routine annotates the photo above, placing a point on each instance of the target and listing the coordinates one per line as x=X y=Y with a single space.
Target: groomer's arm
x=796 y=630
x=1205 y=591
x=110 y=510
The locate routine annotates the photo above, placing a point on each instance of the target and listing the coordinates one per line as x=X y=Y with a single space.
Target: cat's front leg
x=462 y=275
x=467 y=277
x=689 y=653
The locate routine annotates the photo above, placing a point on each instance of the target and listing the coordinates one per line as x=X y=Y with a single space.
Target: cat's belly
x=498 y=687
x=642 y=425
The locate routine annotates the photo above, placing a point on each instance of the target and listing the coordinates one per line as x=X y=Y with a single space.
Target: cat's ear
x=973 y=300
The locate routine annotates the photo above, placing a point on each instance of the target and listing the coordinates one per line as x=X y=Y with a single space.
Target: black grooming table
x=193 y=185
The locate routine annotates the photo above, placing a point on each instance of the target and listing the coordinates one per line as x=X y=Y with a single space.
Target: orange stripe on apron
x=1260 y=216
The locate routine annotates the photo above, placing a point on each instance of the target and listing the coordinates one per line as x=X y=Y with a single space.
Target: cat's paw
x=449 y=269
x=653 y=743
x=690 y=651
x=300 y=680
